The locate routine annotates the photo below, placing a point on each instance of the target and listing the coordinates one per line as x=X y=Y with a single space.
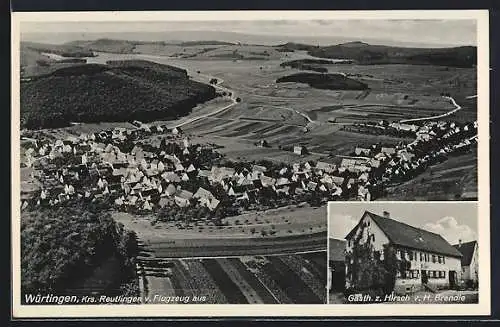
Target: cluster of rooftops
x=94 y=166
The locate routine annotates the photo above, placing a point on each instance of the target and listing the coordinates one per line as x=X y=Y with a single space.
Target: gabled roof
x=412 y=237
x=336 y=250
x=202 y=193
x=467 y=250
x=184 y=194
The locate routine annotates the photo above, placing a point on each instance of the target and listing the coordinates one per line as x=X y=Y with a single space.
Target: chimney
x=386 y=214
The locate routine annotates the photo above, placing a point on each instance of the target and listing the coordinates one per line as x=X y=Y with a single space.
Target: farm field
x=285 y=221
x=287 y=114
x=285 y=279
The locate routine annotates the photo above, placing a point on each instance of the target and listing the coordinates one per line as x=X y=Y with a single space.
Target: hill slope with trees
x=368 y=54
x=118 y=91
x=62 y=247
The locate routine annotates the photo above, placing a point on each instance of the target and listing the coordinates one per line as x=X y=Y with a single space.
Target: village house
x=220 y=173
x=388 y=151
x=469 y=263
x=362 y=151
x=182 y=198
x=300 y=150
x=203 y=196
x=325 y=167
x=426 y=259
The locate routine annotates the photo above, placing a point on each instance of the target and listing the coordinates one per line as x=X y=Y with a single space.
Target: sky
x=453 y=220
x=432 y=32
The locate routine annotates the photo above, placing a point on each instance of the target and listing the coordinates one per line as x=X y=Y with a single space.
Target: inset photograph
x=403 y=252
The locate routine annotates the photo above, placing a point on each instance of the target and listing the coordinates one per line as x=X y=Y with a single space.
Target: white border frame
x=255 y=310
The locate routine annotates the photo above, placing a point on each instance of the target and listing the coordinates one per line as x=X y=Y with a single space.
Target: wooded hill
x=118 y=91
x=368 y=54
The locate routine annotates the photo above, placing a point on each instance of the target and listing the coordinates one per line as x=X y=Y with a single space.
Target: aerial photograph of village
x=193 y=162
x=428 y=254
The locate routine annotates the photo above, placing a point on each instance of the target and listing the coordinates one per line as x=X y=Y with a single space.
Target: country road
x=202 y=78
x=215 y=112
x=457 y=108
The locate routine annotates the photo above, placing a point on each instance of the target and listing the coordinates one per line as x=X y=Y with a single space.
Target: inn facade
x=425 y=259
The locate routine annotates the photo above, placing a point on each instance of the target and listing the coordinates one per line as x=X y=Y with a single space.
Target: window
x=411 y=255
x=433 y=258
x=439 y=259
x=443 y=261
x=421 y=256
x=373 y=237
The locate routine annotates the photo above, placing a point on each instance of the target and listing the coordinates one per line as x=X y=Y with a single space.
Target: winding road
x=457 y=108
x=215 y=112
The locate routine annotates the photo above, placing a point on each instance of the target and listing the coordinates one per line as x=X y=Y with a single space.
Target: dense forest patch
x=118 y=91
x=324 y=81
x=312 y=64
x=61 y=247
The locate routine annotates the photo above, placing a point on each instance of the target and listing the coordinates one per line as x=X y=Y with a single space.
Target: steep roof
x=336 y=250
x=467 y=250
x=413 y=237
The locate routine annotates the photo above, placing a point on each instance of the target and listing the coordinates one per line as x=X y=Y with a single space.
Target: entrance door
x=424 y=277
x=452 y=277
x=338 y=278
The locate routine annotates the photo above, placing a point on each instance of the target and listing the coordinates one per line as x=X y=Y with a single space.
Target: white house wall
x=372 y=229
x=450 y=264
x=471 y=272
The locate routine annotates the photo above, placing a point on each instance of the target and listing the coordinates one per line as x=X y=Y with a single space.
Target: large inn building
x=431 y=261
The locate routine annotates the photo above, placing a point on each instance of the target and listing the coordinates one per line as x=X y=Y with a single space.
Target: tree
x=370 y=271
x=62 y=246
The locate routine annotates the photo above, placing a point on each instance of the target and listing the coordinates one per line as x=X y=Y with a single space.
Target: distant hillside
x=291 y=46
x=378 y=54
x=64 y=50
x=367 y=54
x=34 y=63
x=324 y=81
x=107 y=45
x=119 y=91
x=208 y=42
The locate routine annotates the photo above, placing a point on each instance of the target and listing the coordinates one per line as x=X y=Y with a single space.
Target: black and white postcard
x=182 y=163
